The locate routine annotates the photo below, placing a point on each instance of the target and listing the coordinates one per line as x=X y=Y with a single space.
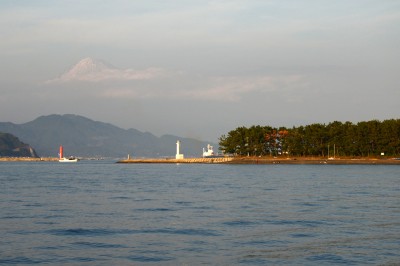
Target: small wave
x=149 y=258
x=120 y=197
x=330 y=258
x=21 y=260
x=253 y=260
x=300 y=235
x=184 y=203
x=107 y=232
x=155 y=210
x=239 y=223
x=198 y=232
x=83 y=259
x=25 y=232
x=98 y=245
x=17 y=217
x=33 y=205
x=263 y=243
x=305 y=223
x=87 y=232
x=204 y=208
x=307 y=204
x=45 y=222
x=49 y=247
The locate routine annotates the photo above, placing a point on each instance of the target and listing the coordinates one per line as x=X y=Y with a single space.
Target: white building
x=178 y=154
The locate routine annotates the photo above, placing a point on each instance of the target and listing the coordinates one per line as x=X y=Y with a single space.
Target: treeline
x=370 y=138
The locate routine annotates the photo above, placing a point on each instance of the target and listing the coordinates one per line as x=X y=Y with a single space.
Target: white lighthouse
x=178 y=154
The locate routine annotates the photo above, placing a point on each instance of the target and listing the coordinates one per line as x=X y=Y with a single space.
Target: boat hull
x=68 y=160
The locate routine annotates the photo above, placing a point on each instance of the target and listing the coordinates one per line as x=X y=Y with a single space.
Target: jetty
x=28 y=159
x=209 y=157
x=264 y=160
x=174 y=160
x=314 y=160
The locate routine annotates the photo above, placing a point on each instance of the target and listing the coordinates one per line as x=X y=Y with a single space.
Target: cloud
x=217 y=89
x=234 y=88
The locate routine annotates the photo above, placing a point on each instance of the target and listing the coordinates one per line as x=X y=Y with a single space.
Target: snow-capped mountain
x=89 y=69
x=87 y=66
x=92 y=70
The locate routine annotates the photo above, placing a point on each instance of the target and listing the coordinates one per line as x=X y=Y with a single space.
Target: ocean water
x=103 y=213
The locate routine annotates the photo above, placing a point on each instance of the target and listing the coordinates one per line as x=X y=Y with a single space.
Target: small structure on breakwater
x=209 y=152
x=178 y=155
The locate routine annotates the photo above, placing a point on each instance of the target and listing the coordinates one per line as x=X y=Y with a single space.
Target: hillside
x=84 y=137
x=11 y=146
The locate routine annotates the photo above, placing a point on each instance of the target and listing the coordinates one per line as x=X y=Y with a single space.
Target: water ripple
x=98 y=245
x=101 y=213
x=87 y=232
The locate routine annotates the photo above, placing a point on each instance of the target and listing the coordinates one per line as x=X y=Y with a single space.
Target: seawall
x=337 y=161
x=172 y=160
x=267 y=160
x=28 y=159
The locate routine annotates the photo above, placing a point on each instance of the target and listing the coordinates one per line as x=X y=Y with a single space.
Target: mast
x=334 y=150
x=328 y=151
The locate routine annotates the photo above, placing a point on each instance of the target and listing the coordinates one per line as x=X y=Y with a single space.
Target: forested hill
x=11 y=146
x=367 y=138
x=84 y=137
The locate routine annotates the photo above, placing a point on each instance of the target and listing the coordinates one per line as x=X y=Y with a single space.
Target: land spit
x=265 y=160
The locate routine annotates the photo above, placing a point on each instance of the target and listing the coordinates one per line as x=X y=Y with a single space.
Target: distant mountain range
x=84 y=137
x=11 y=146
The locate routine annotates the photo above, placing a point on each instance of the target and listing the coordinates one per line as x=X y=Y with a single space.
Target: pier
x=174 y=160
x=264 y=160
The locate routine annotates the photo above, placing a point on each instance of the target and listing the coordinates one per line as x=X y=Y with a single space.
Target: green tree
x=366 y=138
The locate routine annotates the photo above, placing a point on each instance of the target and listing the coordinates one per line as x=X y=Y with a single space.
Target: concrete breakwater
x=263 y=160
x=186 y=160
x=338 y=161
x=28 y=159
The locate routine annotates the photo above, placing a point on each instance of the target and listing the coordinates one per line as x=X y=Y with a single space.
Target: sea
x=104 y=213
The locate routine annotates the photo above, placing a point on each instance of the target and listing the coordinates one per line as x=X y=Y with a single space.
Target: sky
x=201 y=68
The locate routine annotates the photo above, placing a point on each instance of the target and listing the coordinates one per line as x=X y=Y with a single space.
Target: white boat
x=209 y=153
x=68 y=160
x=63 y=159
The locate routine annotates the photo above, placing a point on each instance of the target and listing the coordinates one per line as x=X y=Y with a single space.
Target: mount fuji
x=94 y=70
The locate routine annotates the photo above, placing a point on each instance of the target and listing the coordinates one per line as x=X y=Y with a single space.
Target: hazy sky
x=202 y=68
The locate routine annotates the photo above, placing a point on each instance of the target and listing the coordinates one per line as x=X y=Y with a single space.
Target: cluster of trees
x=369 y=138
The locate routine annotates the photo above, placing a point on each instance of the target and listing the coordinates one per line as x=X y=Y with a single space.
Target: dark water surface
x=102 y=213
